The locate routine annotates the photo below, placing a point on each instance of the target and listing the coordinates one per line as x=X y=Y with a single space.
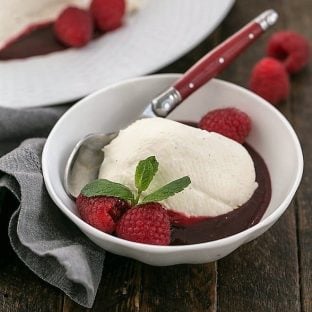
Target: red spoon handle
x=217 y=60
x=212 y=64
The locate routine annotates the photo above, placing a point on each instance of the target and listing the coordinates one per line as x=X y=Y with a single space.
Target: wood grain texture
x=263 y=275
x=20 y=289
x=301 y=96
x=303 y=116
x=128 y=285
x=120 y=288
x=179 y=288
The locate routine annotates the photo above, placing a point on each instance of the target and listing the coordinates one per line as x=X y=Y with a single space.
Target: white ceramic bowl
x=116 y=106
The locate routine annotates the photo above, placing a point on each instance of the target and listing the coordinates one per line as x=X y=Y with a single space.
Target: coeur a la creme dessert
x=188 y=185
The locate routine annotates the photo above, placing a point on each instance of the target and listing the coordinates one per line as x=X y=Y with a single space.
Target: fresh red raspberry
x=74 y=27
x=108 y=14
x=270 y=80
x=101 y=212
x=146 y=223
x=229 y=122
x=291 y=49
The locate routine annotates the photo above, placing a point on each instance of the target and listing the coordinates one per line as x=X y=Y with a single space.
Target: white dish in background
x=114 y=107
x=159 y=33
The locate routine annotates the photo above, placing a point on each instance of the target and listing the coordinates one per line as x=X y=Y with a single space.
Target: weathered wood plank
x=303 y=115
x=299 y=20
x=20 y=289
x=179 y=288
x=119 y=289
x=263 y=275
x=128 y=285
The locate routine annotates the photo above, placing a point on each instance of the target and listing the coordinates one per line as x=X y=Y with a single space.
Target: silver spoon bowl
x=84 y=162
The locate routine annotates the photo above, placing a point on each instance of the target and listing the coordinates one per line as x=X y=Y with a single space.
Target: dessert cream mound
x=134 y=5
x=221 y=170
x=17 y=16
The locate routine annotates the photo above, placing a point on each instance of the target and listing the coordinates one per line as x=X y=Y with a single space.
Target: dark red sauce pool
x=235 y=221
x=38 y=42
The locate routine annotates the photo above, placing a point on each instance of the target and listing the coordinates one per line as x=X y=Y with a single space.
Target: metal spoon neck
x=164 y=103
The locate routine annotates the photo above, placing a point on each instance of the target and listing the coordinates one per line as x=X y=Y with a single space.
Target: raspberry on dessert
x=145 y=223
x=74 y=27
x=101 y=212
x=270 y=80
x=290 y=48
x=108 y=14
x=229 y=122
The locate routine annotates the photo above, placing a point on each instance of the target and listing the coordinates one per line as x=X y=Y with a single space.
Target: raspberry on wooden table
x=270 y=80
x=291 y=49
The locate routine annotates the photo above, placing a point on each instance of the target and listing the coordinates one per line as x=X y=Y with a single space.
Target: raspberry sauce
x=40 y=41
x=249 y=214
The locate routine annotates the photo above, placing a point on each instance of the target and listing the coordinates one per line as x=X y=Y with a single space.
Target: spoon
x=87 y=156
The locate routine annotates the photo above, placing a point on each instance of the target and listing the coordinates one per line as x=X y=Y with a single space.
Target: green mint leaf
x=168 y=190
x=145 y=172
x=103 y=187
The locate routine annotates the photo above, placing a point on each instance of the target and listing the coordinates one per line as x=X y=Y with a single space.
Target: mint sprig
x=145 y=171
x=103 y=187
x=167 y=190
x=144 y=174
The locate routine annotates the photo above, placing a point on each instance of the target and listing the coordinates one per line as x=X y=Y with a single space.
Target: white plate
x=158 y=34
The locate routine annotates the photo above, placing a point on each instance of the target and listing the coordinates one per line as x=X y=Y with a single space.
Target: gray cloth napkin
x=43 y=238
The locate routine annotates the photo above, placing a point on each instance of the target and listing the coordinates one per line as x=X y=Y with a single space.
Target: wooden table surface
x=272 y=273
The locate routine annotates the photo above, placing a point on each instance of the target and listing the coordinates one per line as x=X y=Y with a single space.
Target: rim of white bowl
x=269 y=220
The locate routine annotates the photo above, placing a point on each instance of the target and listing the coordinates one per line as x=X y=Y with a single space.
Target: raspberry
x=100 y=211
x=290 y=48
x=270 y=80
x=146 y=223
x=108 y=14
x=74 y=27
x=229 y=122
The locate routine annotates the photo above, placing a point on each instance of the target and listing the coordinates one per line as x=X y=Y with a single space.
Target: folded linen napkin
x=43 y=238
